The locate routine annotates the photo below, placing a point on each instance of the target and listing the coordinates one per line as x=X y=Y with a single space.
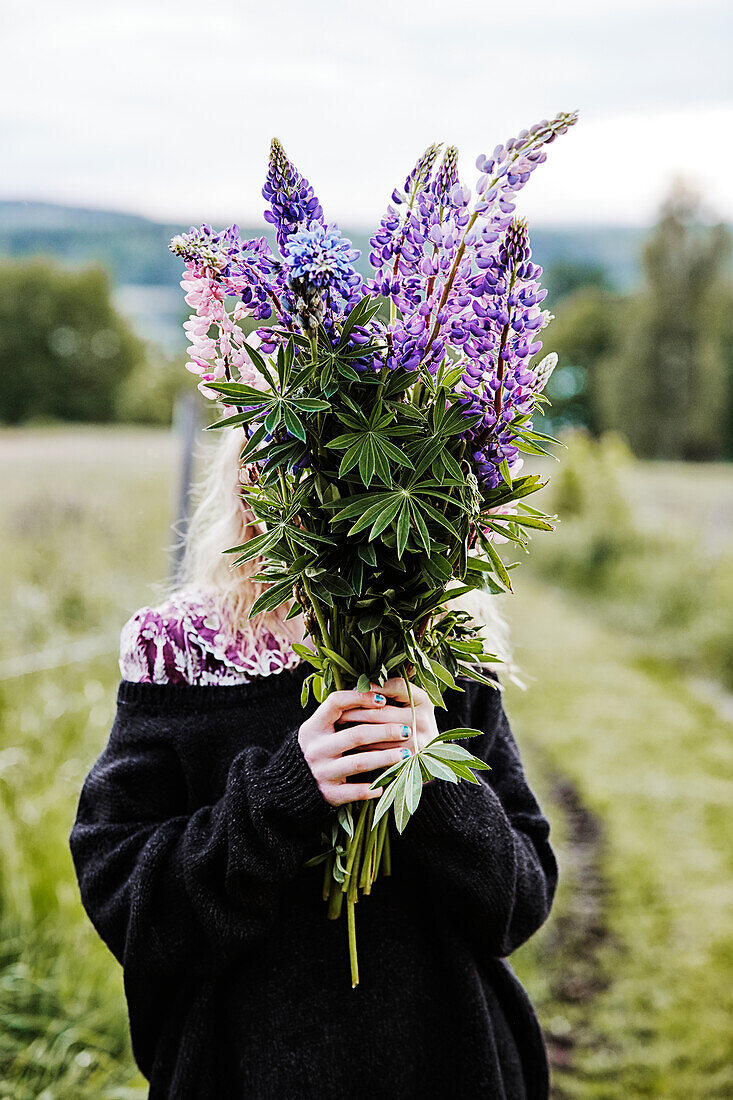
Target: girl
x=193 y=826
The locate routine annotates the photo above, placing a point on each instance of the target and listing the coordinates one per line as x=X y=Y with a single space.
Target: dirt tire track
x=578 y=939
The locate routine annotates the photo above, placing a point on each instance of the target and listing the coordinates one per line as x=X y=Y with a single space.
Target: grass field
x=632 y=975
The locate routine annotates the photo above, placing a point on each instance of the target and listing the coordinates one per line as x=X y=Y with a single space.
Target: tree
x=666 y=385
x=64 y=350
x=583 y=333
x=565 y=276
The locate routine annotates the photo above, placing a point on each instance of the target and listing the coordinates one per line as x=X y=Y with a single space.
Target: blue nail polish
x=405 y=753
x=405 y=731
x=379 y=698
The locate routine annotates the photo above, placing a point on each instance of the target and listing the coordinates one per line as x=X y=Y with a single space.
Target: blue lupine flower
x=325 y=257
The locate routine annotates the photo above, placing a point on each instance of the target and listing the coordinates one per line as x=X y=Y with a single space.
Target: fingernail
x=379 y=698
x=405 y=731
x=405 y=753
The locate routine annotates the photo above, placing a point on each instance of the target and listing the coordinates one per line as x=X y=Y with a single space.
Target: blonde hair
x=221 y=519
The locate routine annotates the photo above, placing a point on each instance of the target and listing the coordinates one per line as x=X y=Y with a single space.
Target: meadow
x=633 y=973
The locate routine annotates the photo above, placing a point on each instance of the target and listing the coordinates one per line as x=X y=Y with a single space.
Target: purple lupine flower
x=501 y=340
x=447 y=175
x=426 y=255
x=293 y=203
x=509 y=167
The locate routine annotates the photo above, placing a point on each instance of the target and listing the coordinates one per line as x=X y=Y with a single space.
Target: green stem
x=365 y=878
x=351 y=917
x=386 y=851
x=352 y=854
x=408 y=686
x=381 y=831
x=323 y=625
x=335 y=900
x=328 y=876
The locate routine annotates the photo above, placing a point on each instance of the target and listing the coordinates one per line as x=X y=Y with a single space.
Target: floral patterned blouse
x=186 y=641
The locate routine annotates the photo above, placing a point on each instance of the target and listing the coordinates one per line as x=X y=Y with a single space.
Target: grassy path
x=654 y=764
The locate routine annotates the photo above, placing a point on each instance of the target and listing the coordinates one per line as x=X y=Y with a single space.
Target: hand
x=381 y=732
x=384 y=732
x=426 y=727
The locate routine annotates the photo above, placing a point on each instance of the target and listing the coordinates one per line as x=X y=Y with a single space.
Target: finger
x=340 y=701
x=363 y=762
x=383 y=714
x=397 y=689
x=338 y=794
x=355 y=736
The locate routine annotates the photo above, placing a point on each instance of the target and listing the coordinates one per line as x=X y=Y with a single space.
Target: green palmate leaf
x=442 y=674
x=346 y=371
x=368 y=554
x=421 y=528
x=355 y=504
x=403 y=529
x=434 y=514
x=294 y=424
x=340 y=661
x=335 y=585
x=351 y=458
x=455 y=754
x=256 y=546
x=372 y=512
x=315 y=860
x=272 y=598
x=230 y=421
x=260 y=364
x=310 y=404
x=361 y=314
x=370 y=620
x=525 y=521
x=464 y=772
x=253 y=443
x=381 y=465
x=413 y=787
x=437 y=768
x=241 y=393
x=367 y=461
x=498 y=564
x=307 y=654
x=385 y=801
x=384 y=517
x=428 y=452
x=459 y=731
x=401 y=812
x=394 y=453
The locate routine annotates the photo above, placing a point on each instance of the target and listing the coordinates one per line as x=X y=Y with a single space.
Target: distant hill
x=135 y=249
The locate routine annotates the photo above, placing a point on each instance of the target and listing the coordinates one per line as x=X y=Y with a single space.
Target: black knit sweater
x=191 y=832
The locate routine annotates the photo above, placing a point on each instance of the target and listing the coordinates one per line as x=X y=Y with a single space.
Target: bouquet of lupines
x=385 y=419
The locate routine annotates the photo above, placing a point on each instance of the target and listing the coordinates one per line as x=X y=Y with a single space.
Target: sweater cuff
x=443 y=803
x=291 y=788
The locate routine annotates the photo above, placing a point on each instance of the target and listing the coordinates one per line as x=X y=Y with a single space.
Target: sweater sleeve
x=172 y=892
x=483 y=850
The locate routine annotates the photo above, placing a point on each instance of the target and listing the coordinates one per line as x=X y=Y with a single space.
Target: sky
x=166 y=109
